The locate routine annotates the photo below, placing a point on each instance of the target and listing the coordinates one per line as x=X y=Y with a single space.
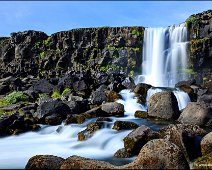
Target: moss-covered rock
x=112 y=96
x=206 y=144
x=203 y=162
x=124 y=125
x=141 y=114
x=135 y=140
x=89 y=131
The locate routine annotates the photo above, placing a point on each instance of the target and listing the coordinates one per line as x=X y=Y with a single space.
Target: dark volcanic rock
x=52 y=109
x=197 y=113
x=44 y=162
x=42 y=86
x=163 y=105
x=113 y=109
x=156 y=154
x=135 y=140
x=124 y=125
x=89 y=131
x=185 y=137
x=206 y=144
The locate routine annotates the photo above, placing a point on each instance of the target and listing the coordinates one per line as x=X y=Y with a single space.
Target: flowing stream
x=164 y=58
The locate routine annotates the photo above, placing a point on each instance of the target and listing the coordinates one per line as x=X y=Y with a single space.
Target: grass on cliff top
x=13 y=98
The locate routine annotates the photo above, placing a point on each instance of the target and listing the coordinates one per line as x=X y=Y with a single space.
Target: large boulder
x=136 y=139
x=206 y=144
x=163 y=105
x=99 y=96
x=156 y=154
x=159 y=154
x=77 y=162
x=44 y=162
x=186 y=137
x=197 y=113
x=42 y=86
x=54 y=110
x=141 y=89
x=203 y=162
x=113 y=109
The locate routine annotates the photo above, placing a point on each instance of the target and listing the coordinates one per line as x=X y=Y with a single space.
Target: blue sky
x=54 y=16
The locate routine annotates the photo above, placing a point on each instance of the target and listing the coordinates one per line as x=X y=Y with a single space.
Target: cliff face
x=99 y=49
x=96 y=49
x=200 y=50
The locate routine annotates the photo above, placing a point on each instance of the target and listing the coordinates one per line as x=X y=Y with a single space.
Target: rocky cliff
x=200 y=50
x=99 y=49
x=96 y=49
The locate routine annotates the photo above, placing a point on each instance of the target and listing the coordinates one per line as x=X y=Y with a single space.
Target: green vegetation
x=65 y=91
x=13 y=98
x=56 y=95
x=43 y=96
x=192 y=22
x=131 y=73
x=136 y=32
x=197 y=45
x=104 y=68
x=41 y=55
x=189 y=71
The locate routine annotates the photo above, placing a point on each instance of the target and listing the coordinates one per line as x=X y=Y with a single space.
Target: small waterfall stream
x=164 y=59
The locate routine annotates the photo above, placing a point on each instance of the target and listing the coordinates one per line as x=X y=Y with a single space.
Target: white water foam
x=164 y=56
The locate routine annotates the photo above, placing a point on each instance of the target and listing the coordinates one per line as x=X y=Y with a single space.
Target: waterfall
x=164 y=56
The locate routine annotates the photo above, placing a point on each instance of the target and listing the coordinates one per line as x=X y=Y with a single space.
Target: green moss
x=203 y=162
x=131 y=73
x=192 y=22
x=189 y=71
x=56 y=95
x=65 y=91
x=43 y=96
x=13 y=98
x=136 y=32
x=41 y=55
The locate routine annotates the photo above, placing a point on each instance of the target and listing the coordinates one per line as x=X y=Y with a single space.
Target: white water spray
x=164 y=56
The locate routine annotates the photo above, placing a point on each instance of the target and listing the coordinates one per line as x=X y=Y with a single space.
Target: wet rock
x=4 y=89
x=159 y=154
x=187 y=89
x=77 y=162
x=141 y=114
x=113 y=109
x=44 y=162
x=163 y=105
x=156 y=154
x=42 y=86
x=75 y=118
x=124 y=125
x=197 y=113
x=136 y=139
x=96 y=112
x=112 y=96
x=53 y=109
x=203 y=162
x=89 y=131
x=141 y=89
x=128 y=83
x=104 y=119
x=206 y=144
x=5 y=122
x=122 y=153
x=185 y=137
x=204 y=95
x=99 y=96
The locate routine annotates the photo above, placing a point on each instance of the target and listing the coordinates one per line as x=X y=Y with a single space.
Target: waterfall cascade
x=164 y=56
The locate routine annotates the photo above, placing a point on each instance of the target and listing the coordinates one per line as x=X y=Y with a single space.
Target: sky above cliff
x=54 y=16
